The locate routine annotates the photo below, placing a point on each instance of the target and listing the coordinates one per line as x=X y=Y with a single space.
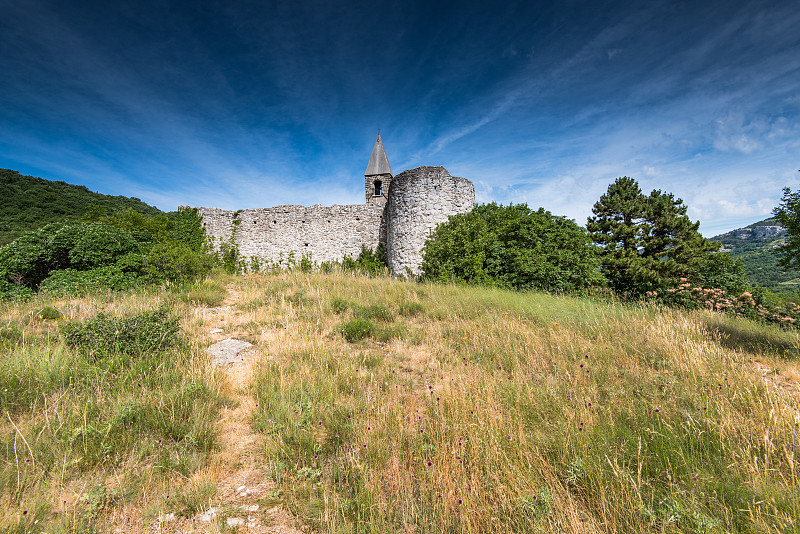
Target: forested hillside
x=28 y=203
x=755 y=246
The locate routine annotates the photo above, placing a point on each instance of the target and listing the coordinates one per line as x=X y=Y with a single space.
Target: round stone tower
x=419 y=199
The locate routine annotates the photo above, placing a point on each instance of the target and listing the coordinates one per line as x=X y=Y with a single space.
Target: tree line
x=633 y=244
x=636 y=245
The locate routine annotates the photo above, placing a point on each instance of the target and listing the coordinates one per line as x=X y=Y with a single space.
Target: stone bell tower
x=378 y=175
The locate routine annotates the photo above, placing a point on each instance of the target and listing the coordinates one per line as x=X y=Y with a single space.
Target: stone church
x=399 y=212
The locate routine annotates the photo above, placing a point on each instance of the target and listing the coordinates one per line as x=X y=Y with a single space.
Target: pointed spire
x=378 y=162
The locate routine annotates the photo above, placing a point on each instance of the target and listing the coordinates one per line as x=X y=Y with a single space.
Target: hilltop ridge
x=28 y=203
x=755 y=245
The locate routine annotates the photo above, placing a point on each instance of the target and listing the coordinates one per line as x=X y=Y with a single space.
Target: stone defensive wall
x=419 y=200
x=326 y=232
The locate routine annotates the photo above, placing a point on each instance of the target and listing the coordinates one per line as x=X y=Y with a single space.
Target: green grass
x=463 y=410
x=498 y=411
x=98 y=420
x=206 y=292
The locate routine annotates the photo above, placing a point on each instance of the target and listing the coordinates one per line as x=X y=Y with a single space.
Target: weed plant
x=357 y=329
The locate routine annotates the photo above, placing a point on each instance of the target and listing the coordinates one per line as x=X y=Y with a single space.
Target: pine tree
x=648 y=242
x=617 y=226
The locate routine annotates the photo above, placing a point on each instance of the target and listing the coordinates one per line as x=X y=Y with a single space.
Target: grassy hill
x=28 y=203
x=755 y=246
x=450 y=409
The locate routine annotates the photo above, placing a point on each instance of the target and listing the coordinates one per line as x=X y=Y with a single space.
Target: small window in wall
x=378 y=188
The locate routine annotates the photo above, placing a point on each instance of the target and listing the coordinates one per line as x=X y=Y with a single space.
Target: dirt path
x=242 y=483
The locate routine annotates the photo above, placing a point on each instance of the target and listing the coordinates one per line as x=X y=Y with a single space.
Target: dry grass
x=535 y=412
x=465 y=410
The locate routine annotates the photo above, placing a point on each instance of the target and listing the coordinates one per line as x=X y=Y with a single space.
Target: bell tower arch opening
x=378 y=175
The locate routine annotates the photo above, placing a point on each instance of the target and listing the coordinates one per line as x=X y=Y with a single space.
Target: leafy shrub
x=514 y=247
x=74 y=282
x=356 y=329
x=100 y=245
x=49 y=313
x=119 y=252
x=722 y=271
x=369 y=261
x=339 y=305
x=10 y=291
x=690 y=296
x=25 y=262
x=175 y=261
x=373 y=311
x=104 y=335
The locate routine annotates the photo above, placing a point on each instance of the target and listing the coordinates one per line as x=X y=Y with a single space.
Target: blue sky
x=254 y=104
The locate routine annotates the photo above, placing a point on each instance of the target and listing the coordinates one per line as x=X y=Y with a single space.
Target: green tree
x=617 y=228
x=788 y=215
x=511 y=246
x=647 y=242
x=133 y=249
x=722 y=271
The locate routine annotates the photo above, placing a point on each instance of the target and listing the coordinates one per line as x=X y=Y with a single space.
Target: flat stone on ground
x=227 y=350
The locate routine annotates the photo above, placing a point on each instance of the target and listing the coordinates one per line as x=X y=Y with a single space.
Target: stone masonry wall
x=420 y=199
x=326 y=232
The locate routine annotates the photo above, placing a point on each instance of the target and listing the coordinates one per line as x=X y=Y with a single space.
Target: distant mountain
x=28 y=203
x=755 y=245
